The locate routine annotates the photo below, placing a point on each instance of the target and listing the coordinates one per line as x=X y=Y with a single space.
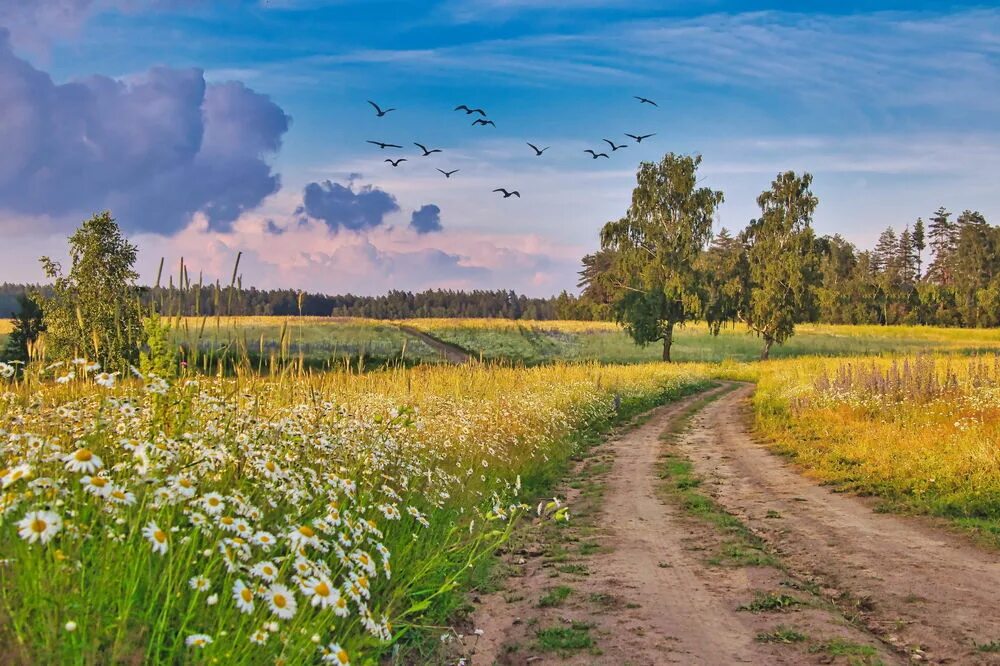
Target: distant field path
x=902 y=588
x=453 y=353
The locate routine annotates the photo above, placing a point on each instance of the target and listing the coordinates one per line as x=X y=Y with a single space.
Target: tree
x=781 y=259
x=723 y=275
x=919 y=245
x=28 y=327
x=94 y=311
x=943 y=236
x=656 y=247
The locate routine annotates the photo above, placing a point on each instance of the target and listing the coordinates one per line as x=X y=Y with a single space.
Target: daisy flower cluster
x=270 y=519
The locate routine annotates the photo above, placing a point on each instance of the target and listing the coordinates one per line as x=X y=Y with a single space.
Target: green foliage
x=28 y=327
x=782 y=265
x=656 y=247
x=94 y=311
x=554 y=597
x=767 y=602
x=160 y=356
x=781 y=634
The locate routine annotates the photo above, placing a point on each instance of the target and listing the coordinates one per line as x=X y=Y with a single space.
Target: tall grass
x=134 y=513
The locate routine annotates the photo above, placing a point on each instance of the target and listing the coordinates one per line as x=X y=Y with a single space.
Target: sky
x=214 y=128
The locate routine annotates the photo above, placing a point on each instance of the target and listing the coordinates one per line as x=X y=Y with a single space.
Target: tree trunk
x=668 y=339
x=766 y=352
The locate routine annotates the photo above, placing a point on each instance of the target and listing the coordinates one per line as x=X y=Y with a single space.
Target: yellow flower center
x=98 y=481
x=118 y=494
x=270 y=466
x=184 y=483
x=160 y=536
x=322 y=589
x=342 y=657
x=214 y=501
x=363 y=581
x=264 y=538
x=226 y=520
x=38 y=525
x=83 y=455
x=246 y=594
x=280 y=601
x=307 y=531
x=268 y=571
x=341 y=603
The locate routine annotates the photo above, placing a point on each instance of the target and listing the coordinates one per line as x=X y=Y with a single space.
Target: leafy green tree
x=28 y=326
x=782 y=262
x=723 y=270
x=919 y=245
x=94 y=311
x=657 y=245
x=943 y=234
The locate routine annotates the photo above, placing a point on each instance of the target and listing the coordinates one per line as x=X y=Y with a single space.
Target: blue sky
x=891 y=105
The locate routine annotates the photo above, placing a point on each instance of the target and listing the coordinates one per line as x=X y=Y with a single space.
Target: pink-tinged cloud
x=307 y=254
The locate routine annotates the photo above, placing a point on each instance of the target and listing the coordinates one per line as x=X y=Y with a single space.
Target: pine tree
x=919 y=245
x=943 y=236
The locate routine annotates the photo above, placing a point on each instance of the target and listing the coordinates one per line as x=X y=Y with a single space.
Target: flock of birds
x=483 y=121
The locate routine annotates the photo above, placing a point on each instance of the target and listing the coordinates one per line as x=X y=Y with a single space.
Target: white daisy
x=264 y=539
x=243 y=596
x=39 y=526
x=200 y=583
x=7 y=477
x=214 y=503
x=83 y=460
x=282 y=601
x=155 y=536
x=97 y=485
x=334 y=654
x=265 y=571
x=321 y=591
x=198 y=640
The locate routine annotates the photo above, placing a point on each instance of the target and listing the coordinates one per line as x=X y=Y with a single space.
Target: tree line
x=661 y=266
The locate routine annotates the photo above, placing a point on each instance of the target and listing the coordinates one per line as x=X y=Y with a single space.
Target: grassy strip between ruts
x=542 y=481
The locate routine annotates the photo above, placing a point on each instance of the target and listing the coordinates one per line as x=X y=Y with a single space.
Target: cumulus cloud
x=344 y=206
x=426 y=219
x=155 y=148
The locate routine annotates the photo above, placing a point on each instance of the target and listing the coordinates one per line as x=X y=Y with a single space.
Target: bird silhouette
x=378 y=110
x=508 y=195
x=383 y=146
x=424 y=148
x=595 y=155
x=639 y=138
x=643 y=100
x=447 y=174
x=538 y=151
x=480 y=121
x=396 y=163
x=613 y=146
x=468 y=111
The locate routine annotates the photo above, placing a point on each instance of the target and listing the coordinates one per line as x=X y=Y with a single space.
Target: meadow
x=318 y=509
x=252 y=519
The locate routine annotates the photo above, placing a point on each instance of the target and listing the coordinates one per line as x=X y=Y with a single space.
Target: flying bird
x=468 y=111
x=538 y=151
x=613 y=146
x=639 y=138
x=595 y=155
x=383 y=146
x=508 y=195
x=424 y=148
x=396 y=163
x=643 y=100
x=447 y=174
x=378 y=110
x=480 y=121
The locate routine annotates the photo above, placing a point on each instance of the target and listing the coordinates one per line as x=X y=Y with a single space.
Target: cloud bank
x=155 y=148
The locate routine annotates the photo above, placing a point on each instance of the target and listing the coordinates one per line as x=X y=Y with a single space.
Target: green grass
x=992 y=646
x=555 y=597
x=781 y=634
x=565 y=639
x=770 y=602
x=855 y=652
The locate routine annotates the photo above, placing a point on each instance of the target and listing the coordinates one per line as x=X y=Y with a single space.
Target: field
x=248 y=517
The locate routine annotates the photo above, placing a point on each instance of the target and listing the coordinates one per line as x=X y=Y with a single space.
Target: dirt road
x=453 y=353
x=917 y=584
x=640 y=578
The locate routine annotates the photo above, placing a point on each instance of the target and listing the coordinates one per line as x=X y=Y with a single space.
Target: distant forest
x=942 y=272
